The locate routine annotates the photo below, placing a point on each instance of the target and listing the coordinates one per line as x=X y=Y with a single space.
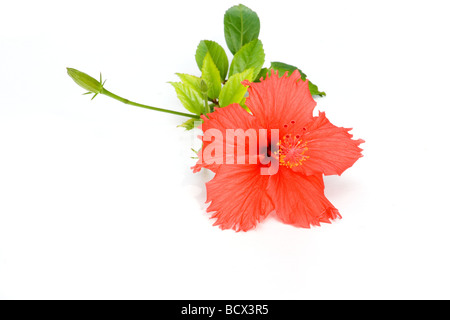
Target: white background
x=97 y=200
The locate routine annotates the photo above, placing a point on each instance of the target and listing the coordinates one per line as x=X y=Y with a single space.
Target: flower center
x=291 y=151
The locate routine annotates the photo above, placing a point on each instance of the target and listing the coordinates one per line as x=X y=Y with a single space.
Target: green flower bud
x=85 y=81
x=203 y=86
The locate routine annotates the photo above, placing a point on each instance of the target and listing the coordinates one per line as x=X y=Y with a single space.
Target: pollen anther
x=292 y=151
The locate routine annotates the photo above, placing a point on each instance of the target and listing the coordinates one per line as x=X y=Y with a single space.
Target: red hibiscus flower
x=305 y=149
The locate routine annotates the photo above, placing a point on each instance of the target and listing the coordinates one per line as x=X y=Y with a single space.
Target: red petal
x=331 y=149
x=200 y=165
x=299 y=200
x=238 y=197
x=278 y=102
x=230 y=117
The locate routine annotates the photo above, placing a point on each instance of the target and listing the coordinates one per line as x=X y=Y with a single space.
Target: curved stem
x=126 y=101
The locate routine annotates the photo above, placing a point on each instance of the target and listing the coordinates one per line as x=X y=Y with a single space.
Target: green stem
x=126 y=101
x=207 y=108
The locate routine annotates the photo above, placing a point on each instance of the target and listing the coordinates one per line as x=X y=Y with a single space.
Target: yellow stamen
x=292 y=151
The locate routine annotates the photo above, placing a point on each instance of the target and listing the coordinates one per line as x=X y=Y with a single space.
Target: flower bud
x=85 y=81
x=203 y=86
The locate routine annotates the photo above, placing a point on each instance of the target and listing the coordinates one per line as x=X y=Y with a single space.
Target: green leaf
x=241 y=26
x=211 y=75
x=190 y=124
x=189 y=97
x=233 y=91
x=262 y=74
x=243 y=105
x=283 y=67
x=315 y=90
x=249 y=56
x=192 y=81
x=217 y=53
